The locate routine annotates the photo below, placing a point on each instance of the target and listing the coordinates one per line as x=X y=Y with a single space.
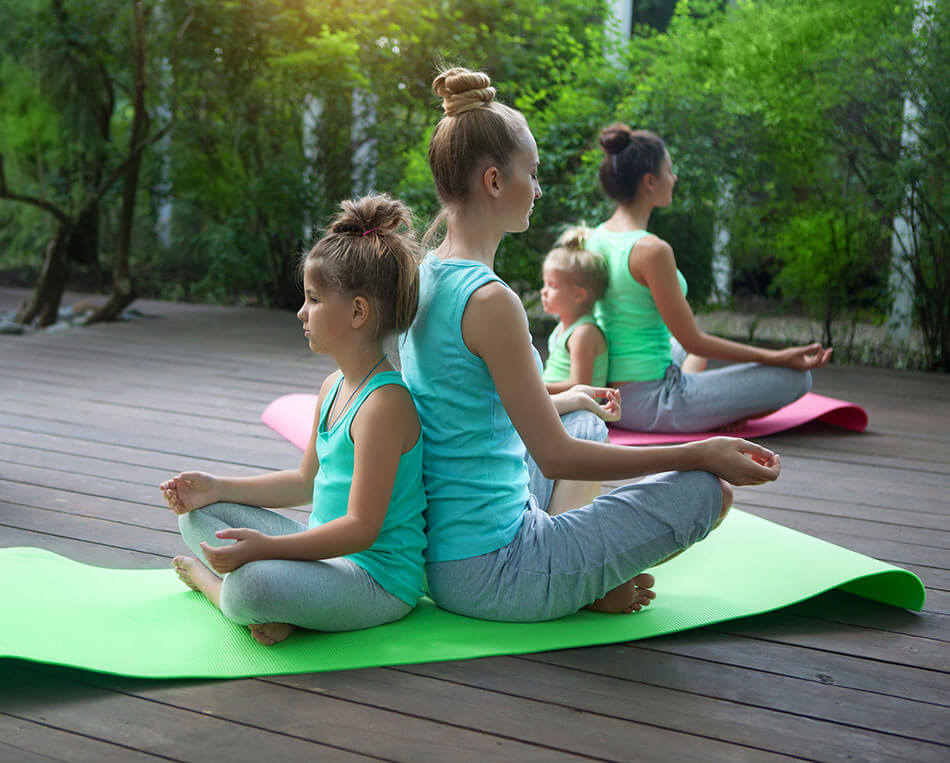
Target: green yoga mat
x=145 y=623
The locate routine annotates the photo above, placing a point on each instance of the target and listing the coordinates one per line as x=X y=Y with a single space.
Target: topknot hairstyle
x=462 y=90
x=585 y=268
x=630 y=154
x=475 y=129
x=364 y=253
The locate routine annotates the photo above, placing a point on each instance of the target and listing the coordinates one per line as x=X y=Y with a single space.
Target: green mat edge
x=902 y=589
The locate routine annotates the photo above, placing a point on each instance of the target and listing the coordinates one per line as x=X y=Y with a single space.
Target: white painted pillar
x=901 y=281
x=721 y=264
x=364 y=158
x=619 y=22
x=310 y=113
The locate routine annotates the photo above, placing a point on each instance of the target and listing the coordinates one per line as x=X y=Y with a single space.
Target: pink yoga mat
x=291 y=416
x=811 y=407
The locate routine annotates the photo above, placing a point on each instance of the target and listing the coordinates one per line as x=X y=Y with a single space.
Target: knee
x=247 y=592
x=191 y=519
x=584 y=425
x=806 y=383
x=727 y=496
x=189 y=524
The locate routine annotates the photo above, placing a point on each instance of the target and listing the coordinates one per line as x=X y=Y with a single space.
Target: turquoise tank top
x=473 y=459
x=638 y=341
x=558 y=365
x=395 y=560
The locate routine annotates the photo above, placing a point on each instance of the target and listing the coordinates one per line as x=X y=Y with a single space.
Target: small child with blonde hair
x=574 y=279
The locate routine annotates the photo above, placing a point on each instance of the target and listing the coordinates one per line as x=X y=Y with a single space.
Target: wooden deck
x=92 y=419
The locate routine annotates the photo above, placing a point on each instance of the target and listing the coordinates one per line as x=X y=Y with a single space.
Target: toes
x=644 y=580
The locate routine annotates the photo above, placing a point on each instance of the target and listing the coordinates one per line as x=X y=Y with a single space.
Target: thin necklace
x=356 y=389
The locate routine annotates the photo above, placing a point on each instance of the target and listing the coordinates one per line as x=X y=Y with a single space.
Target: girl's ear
x=648 y=182
x=492 y=181
x=361 y=312
x=581 y=295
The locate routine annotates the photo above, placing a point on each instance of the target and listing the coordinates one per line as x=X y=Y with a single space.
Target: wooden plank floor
x=92 y=419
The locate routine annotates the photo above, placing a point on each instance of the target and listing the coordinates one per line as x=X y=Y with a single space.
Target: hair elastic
x=367 y=232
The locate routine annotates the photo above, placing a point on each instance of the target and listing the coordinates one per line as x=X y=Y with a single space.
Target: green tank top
x=557 y=368
x=395 y=560
x=638 y=341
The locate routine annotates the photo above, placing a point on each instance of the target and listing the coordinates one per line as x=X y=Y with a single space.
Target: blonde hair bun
x=574 y=238
x=462 y=90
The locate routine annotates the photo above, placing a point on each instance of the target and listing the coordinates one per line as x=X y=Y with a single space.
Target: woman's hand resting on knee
x=737 y=461
x=805 y=358
x=190 y=490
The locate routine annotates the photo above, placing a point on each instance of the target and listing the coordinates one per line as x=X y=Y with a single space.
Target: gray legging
x=325 y=595
x=681 y=402
x=556 y=565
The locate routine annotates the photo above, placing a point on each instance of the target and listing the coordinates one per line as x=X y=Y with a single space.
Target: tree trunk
x=43 y=305
x=123 y=293
x=83 y=245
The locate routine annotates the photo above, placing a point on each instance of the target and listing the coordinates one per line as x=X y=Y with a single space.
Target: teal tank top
x=558 y=365
x=638 y=341
x=473 y=459
x=395 y=560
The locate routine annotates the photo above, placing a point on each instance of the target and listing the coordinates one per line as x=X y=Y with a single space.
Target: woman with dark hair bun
x=660 y=386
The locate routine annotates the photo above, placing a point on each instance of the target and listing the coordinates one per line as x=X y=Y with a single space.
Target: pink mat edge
x=811 y=407
x=283 y=415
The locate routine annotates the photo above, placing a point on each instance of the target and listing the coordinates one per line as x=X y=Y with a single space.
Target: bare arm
x=383 y=429
x=653 y=265
x=495 y=328
x=188 y=491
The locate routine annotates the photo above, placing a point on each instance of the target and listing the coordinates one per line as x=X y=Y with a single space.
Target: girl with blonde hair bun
x=494 y=551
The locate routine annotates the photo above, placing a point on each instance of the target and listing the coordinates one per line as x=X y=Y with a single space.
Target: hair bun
x=615 y=138
x=575 y=238
x=462 y=90
x=379 y=213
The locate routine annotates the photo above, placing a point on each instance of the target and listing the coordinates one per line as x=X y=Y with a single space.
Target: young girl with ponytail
x=359 y=561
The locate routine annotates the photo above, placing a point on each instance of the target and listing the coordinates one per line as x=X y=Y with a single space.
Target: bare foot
x=628 y=597
x=194 y=574
x=269 y=634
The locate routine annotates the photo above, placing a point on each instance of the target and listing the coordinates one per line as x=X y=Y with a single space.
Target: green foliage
x=784 y=120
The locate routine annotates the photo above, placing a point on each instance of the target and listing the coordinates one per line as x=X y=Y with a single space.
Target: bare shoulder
x=651 y=247
x=588 y=335
x=387 y=411
x=652 y=261
x=494 y=297
x=493 y=317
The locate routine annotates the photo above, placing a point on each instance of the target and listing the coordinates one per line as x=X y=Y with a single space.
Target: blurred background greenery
x=191 y=149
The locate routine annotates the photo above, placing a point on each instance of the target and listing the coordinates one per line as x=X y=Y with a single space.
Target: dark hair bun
x=615 y=138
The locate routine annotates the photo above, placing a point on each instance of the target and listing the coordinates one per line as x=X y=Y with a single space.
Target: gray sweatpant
x=681 y=402
x=324 y=595
x=556 y=565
